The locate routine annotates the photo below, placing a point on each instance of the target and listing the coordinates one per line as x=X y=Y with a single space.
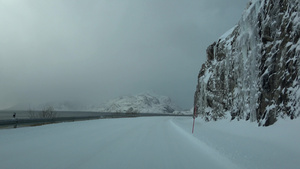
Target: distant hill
x=147 y=102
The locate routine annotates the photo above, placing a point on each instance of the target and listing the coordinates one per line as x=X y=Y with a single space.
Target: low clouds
x=58 y=50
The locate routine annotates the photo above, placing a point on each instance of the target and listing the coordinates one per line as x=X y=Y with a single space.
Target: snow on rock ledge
x=252 y=71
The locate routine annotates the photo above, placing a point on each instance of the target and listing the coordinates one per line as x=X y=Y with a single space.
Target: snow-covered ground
x=151 y=142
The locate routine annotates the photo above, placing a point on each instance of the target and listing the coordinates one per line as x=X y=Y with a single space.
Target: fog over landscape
x=93 y=51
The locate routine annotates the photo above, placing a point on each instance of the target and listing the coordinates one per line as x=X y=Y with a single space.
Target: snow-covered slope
x=252 y=71
x=147 y=102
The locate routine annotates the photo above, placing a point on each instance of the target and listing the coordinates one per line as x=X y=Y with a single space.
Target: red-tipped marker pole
x=193 y=124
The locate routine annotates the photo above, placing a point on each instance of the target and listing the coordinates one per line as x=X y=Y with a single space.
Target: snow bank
x=250 y=146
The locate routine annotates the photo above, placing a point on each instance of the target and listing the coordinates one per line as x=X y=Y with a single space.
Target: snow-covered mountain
x=147 y=102
x=252 y=71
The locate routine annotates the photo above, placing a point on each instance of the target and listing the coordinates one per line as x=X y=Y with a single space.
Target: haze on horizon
x=96 y=50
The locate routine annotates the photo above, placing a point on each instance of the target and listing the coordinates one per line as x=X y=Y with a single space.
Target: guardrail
x=34 y=121
x=43 y=120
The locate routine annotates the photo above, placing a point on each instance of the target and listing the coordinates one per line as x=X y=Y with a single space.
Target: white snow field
x=151 y=143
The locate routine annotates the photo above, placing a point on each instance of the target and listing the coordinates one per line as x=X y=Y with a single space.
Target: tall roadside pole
x=194 y=116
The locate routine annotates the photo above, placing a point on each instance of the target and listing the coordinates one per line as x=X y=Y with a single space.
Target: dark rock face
x=252 y=71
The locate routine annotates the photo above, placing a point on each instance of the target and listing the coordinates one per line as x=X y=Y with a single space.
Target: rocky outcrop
x=252 y=71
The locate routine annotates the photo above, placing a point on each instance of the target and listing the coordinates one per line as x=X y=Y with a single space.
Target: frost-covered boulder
x=252 y=71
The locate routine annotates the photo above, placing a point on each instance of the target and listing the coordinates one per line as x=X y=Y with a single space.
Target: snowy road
x=133 y=143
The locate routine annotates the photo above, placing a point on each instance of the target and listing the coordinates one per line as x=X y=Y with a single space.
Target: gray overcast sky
x=96 y=50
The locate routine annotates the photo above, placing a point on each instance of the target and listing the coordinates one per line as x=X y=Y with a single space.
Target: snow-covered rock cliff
x=147 y=102
x=252 y=71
